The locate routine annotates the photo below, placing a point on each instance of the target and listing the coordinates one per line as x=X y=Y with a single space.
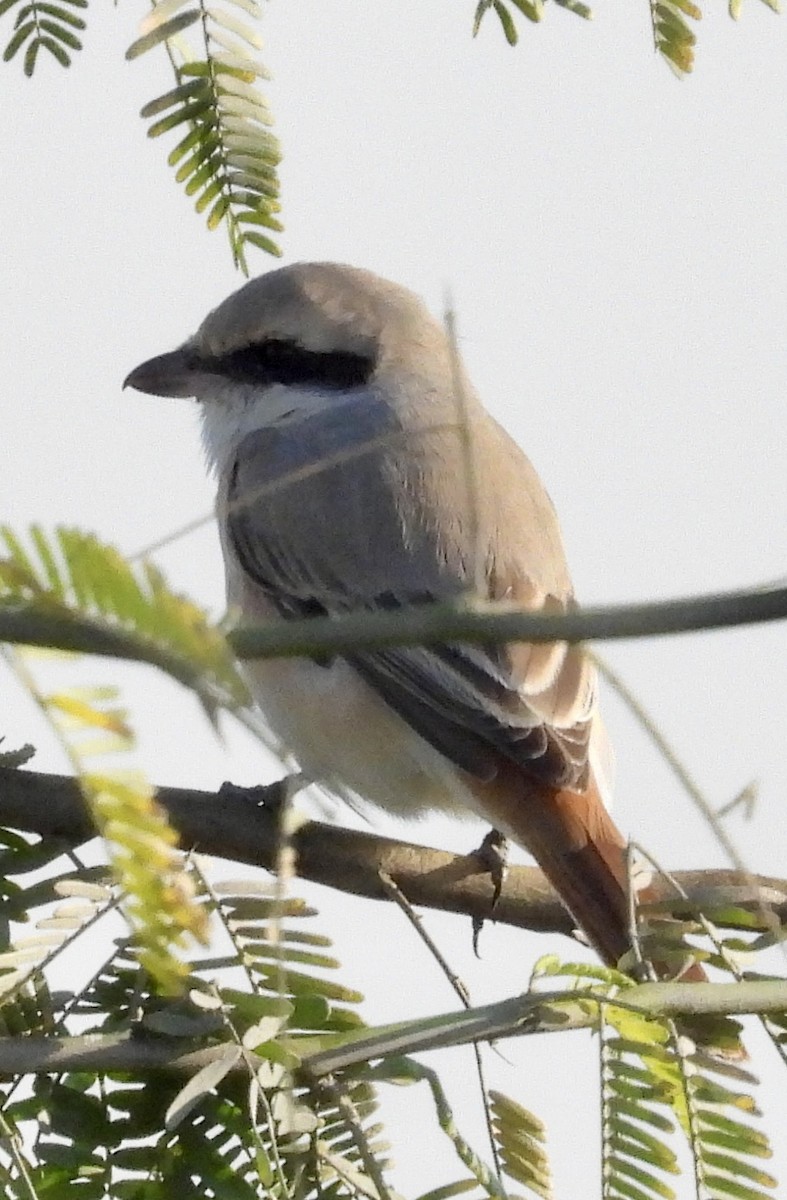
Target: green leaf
x=507 y=22
x=680 y=55
x=739 y=1168
x=260 y=218
x=219 y=211
x=672 y=27
x=162 y=32
x=161 y=11
x=239 y=28
x=189 y=112
x=249 y=6
x=654 y=1185
x=21 y=34
x=450 y=1189
x=61 y=33
x=691 y=10
x=53 y=10
x=56 y=50
x=207 y=171
x=261 y=242
x=532 y=9
x=654 y=1149
x=31 y=54
x=720 y=1185
x=185 y=91
x=248 y=72
x=576 y=7
x=206 y=147
x=209 y=194
x=199 y=1085
x=193 y=138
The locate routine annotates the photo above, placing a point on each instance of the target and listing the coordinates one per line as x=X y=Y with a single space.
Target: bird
x=358 y=471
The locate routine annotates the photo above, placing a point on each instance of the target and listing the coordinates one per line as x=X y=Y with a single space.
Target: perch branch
x=234 y=827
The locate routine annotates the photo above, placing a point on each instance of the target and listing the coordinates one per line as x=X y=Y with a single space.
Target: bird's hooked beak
x=173 y=374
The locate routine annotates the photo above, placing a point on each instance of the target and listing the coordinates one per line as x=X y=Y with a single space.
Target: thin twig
x=461 y=990
x=687 y=781
x=399 y=898
x=459 y=394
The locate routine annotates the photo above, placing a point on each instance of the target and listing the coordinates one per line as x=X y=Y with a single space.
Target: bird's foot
x=493 y=855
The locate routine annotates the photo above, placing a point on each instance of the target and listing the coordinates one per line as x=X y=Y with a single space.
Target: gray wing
x=348 y=511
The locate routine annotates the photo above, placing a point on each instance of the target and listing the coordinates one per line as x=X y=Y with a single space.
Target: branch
x=518 y=1016
x=22 y=624
x=546 y=1012
x=234 y=827
x=41 y=1055
x=499 y=621
x=415 y=625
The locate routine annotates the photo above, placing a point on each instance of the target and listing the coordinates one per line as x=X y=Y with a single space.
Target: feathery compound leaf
x=158 y=899
x=633 y=1092
x=41 y=24
x=217 y=98
x=722 y=1142
x=94 y=597
x=521 y=1139
x=81 y=576
x=408 y=1070
x=645 y=1069
x=653 y=1077
x=533 y=10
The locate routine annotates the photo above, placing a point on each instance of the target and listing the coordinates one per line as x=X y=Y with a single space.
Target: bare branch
x=415 y=625
x=234 y=827
x=501 y=622
x=517 y=1016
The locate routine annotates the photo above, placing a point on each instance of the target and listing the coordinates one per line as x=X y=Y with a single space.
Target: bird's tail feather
x=583 y=855
x=578 y=847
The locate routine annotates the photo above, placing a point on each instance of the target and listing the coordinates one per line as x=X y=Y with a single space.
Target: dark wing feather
x=301 y=527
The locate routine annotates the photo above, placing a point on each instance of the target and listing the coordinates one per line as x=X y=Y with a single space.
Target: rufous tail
x=583 y=855
x=580 y=850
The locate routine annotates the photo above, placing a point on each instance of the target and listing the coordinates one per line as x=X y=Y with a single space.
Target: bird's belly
x=345 y=737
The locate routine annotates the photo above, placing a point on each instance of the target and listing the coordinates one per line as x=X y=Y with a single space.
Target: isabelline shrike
x=358 y=470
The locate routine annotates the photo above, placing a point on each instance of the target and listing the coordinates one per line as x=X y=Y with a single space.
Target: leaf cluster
x=44 y=25
x=245 y=1125
x=227 y=157
x=655 y=1083
x=532 y=10
x=673 y=37
x=79 y=583
x=78 y=578
x=265 y=1115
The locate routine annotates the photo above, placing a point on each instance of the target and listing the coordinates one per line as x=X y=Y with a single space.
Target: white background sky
x=614 y=244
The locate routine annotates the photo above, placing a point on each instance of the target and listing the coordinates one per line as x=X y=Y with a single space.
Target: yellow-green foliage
x=77 y=577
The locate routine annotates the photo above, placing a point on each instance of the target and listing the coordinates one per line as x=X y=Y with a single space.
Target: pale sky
x=613 y=241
